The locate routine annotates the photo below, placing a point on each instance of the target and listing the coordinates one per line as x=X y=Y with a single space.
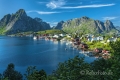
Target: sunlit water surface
x=24 y=52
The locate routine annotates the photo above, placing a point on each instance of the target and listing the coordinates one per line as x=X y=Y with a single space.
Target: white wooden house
x=112 y=39
x=55 y=36
x=62 y=35
x=100 y=38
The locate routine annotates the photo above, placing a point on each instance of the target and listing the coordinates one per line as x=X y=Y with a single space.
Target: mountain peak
x=20 y=22
x=108 y=21
x=86 y=25
x=62 y=21
x=21 y=12
x=5 y=20
x=85 y=17
x=59 y=25
x=109 y=25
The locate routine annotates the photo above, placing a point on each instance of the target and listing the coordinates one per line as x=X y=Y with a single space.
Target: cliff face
x=108 y=25
x=59 y=25
x=87 y=25
x=20 y=22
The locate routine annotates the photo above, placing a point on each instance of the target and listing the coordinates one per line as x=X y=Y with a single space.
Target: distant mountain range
x=20 y=22
x=86 y=25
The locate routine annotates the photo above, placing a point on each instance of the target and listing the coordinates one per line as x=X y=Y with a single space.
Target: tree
x=11 y=73
x=101 y=66
x=111 y=65
x=34 y=74
x=115 y=48
x=71 y=70
x=115 y=59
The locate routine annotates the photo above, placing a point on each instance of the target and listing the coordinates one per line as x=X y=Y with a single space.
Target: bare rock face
x=20 y=22
x=100 y=26
x=87 y=25
x=59 y=25
x=108 y=25
x=4 y=21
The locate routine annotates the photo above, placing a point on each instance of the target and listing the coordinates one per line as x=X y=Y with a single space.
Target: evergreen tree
x=11 y=73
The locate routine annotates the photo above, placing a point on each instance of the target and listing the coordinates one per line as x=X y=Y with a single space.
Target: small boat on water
x=34 y=37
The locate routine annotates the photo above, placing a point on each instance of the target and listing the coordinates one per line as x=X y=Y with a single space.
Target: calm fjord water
x=24 y=52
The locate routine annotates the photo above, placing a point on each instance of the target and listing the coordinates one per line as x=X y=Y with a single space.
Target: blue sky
x=53 y=11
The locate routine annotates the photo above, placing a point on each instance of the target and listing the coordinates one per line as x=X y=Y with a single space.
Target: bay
x=24 y=52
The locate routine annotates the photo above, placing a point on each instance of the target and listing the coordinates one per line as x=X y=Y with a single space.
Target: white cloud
x=43 y=12
x=88 y=6
x=30 y=11
x=55 y=4
x=61 y=5
x=109 y=18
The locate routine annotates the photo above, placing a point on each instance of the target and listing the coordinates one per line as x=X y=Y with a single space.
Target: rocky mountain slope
x=20 y=22
x=117 y=27
x=86 y=25
x=59 y=25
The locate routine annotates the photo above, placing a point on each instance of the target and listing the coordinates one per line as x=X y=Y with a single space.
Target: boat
x=34 y=37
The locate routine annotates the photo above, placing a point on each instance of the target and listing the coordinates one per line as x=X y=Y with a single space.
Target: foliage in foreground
x=11 y=74
x=33 y=74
